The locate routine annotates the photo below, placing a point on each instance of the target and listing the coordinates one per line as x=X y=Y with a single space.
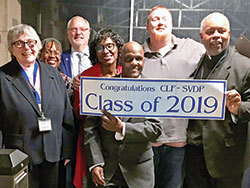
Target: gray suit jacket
x=19 y=113
x=133 y=154
x=224 y=142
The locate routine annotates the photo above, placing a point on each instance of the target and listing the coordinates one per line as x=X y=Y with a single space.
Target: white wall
x=10 y=14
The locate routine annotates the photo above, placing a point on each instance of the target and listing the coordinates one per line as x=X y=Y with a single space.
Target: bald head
x=131 y=47
x=132 y=60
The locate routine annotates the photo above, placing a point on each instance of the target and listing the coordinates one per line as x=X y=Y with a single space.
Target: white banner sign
x=195 y=99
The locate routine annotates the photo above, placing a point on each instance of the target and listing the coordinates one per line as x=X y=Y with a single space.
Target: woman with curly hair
x=104 y=54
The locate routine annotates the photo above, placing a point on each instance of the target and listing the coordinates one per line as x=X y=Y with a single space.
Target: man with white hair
x=76 y=60
x=217 y=150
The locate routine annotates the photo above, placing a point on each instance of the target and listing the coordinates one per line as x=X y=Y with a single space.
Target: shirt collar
x=147 y=49
x=85 y=51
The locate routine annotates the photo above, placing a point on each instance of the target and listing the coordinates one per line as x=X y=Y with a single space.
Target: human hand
x=76 y=82
x=66 y=162
x=233 y=101
x=98 y=176
x=111 y=123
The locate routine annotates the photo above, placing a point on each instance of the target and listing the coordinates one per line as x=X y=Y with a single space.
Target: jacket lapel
x=66 y=63
x=198 y=67
x=46 y=85
x=15 y=76
x=221 y=72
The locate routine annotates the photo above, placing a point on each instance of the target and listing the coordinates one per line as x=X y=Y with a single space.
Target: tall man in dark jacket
x=218 y=149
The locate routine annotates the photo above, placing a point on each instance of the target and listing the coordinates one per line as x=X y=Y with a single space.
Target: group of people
x=39 y=108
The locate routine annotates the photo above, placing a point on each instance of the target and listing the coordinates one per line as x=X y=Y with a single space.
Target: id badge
x=44 y=123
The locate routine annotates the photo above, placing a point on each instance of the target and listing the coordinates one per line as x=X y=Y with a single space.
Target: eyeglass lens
x=109 y=46
x=20 y=43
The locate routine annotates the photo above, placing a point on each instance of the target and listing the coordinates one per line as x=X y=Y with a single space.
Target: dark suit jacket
x=1 y=140
x=224 y=142
x=65 y=65
x=19 y=113
x=133 y=154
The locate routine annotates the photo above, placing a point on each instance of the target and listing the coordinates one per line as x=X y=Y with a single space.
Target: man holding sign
x=119 y=151
x=217 y=149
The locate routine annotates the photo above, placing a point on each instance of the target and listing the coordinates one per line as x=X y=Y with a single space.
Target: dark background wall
x=49 y=17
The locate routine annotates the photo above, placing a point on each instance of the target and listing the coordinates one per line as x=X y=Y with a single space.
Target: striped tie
x=80 y=65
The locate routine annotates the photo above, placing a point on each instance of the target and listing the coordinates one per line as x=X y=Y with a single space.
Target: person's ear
x=201 y=37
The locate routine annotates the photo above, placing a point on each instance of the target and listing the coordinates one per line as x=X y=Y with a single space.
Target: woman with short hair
x=34 y=107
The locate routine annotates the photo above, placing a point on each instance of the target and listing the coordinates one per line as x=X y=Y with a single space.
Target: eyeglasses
x=109 y=47
x=20 y=44
x=75 y=29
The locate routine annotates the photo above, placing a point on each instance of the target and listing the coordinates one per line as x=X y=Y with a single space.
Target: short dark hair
x=100 y=36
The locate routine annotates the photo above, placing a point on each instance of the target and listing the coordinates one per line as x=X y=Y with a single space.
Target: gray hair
x=69 y=22
x=212 y=15
x=18 y=30
x=51 y=39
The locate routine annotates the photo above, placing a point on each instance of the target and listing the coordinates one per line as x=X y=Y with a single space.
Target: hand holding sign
x=233 y=101
x=111 y=123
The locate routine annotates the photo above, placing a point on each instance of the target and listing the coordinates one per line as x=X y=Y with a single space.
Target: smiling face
x=215 y=34
x=78 y=33
x=26 y=54
x=51 y=54
x=159 y=24
x=107 y=51
x=132 y=60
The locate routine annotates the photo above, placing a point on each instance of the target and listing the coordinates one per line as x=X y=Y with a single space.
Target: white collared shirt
x=86 y=63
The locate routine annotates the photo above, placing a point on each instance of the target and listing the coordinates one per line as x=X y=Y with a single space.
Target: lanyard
x=38 y=99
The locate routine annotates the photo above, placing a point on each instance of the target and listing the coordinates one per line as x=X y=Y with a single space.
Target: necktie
x=80 y=63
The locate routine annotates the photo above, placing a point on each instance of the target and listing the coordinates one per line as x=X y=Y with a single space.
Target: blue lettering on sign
x=210 y=104
x=146 y=106
x=108 y=104
x=174 y=105
x=87 y=101
x=214 y=105
x=167 y=88
x=195 y=89
x=183 y=104
x=129 y=106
